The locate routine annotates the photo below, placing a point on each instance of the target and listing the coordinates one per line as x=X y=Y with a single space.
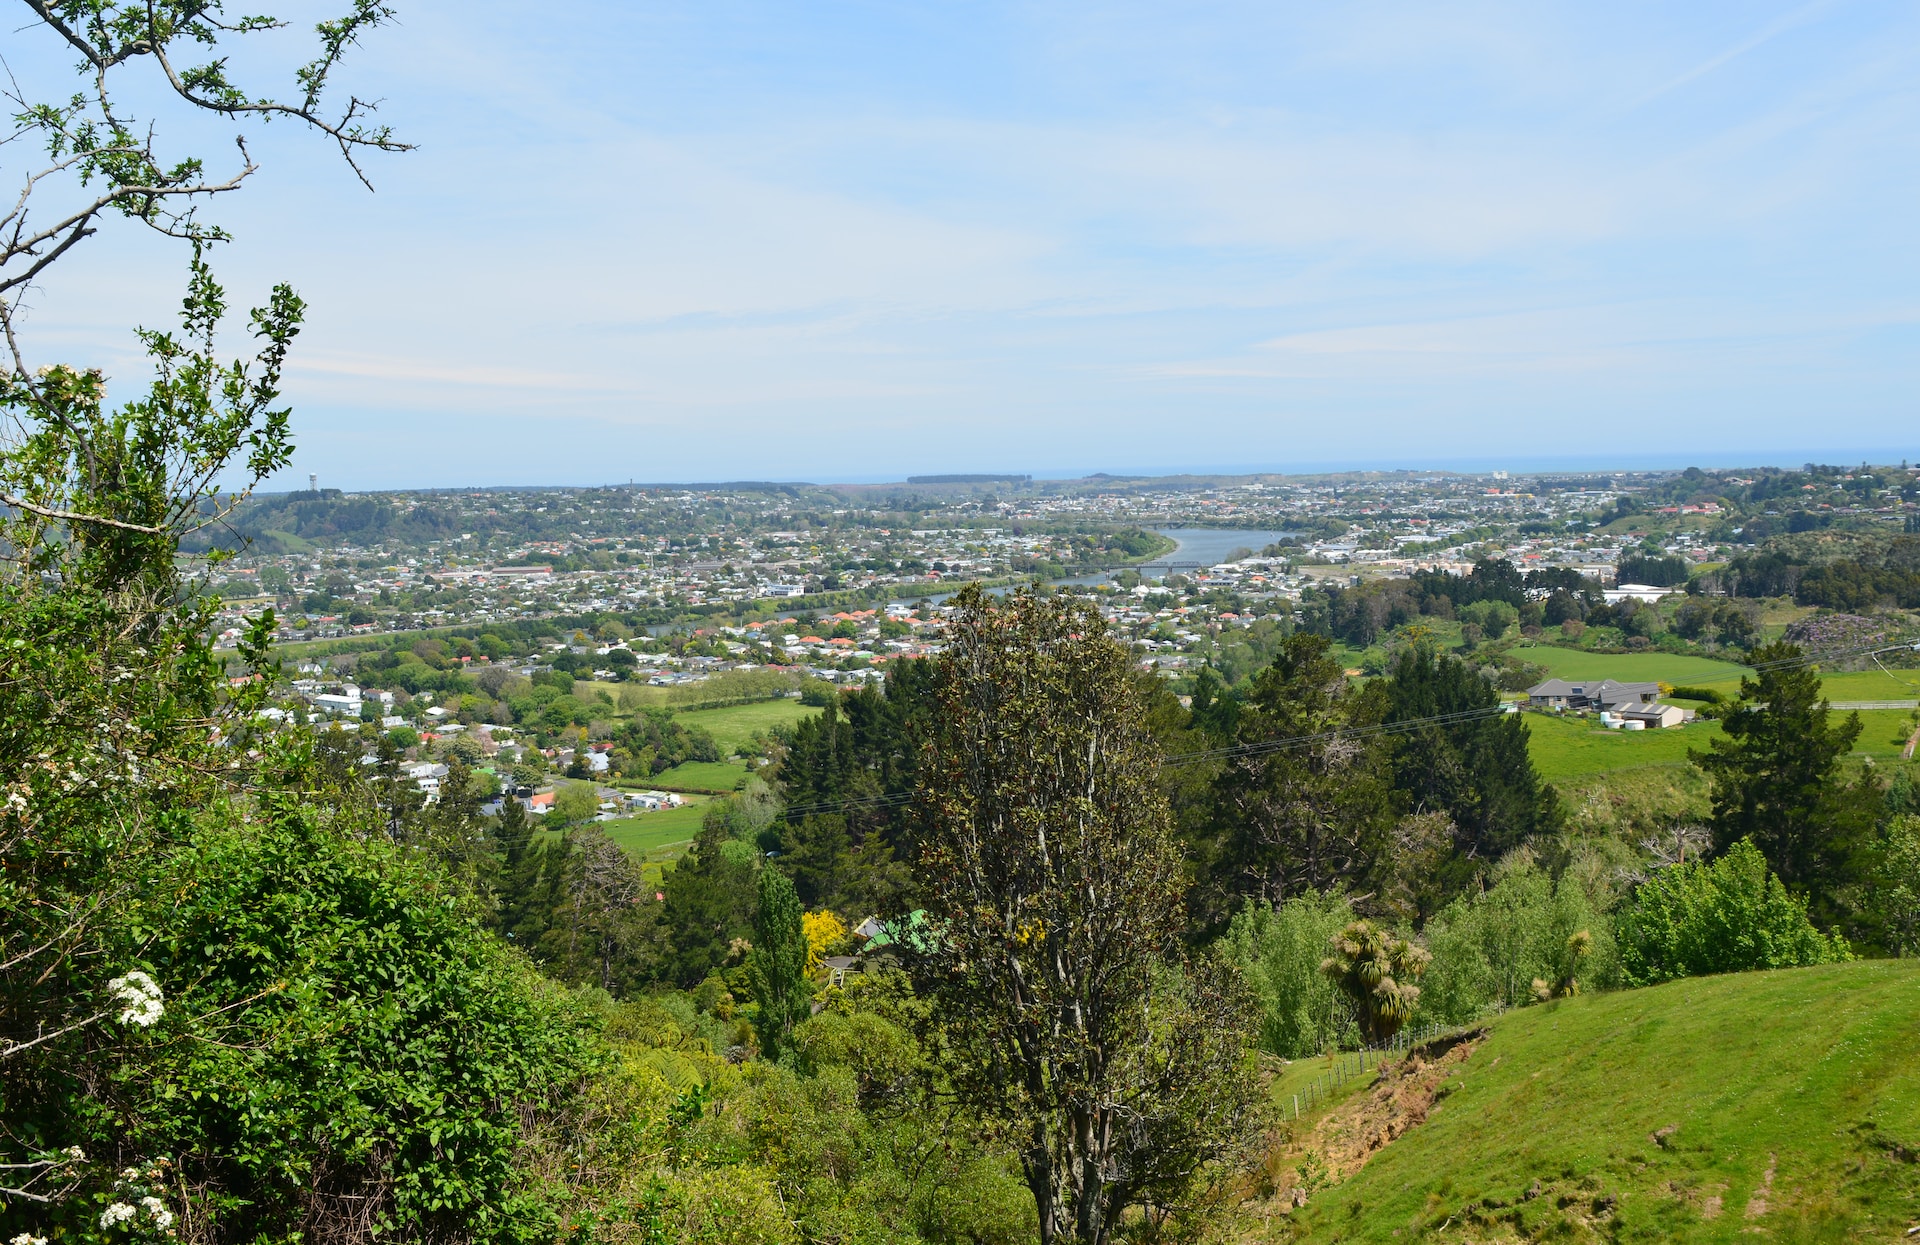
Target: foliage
x=711 y=897
x=1279 y=951
x=1376 y=971
x=1725 y=917
x=778 y=962
x=1777 y=781
x=1285 y=821
x=1491 y=947
x=823 y=931
x=1898 y=887
x=1477 y=769
x=1114 y=1064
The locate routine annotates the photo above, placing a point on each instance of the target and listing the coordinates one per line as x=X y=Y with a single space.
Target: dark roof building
x=1591 y=694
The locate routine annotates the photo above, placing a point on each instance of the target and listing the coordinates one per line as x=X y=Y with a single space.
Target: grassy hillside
x=1775 y=1106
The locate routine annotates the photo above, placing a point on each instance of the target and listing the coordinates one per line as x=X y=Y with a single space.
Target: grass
x=734 y=725
x=1872 y=685
x=1793 y=1098
x=1573 y=747
x=699 y=776
x=649 y=832
x=1567 y=663
x=1722 y=676
x=656 y=840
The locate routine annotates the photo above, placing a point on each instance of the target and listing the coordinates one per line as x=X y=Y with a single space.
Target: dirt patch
x=1353 y=1132
x=1757 y=1204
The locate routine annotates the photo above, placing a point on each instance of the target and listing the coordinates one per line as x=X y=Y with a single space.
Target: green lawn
x=699 y=776
x=646 y=835
x=1777 y=1105
x=1573 y=747
x=1567 y=663
x=736 y=724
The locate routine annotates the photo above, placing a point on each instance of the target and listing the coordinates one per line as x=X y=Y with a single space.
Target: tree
x=1474 y=768
x=1777 y=781
x=1279 y=950
x=1898 y=884
x=575 y=804
x=1113 y=1063
x=1729 y=916
x=779 y=962
x=1490 y=947
x=598 y=932
x=711 y=900
x=1377 y=972
x=1299 y=817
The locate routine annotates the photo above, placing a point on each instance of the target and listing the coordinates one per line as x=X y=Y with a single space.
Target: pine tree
x=1778 y=780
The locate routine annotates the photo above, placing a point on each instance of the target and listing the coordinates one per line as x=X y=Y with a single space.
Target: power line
x=1811 y=659
x=1266 y=746
x=1257 y=748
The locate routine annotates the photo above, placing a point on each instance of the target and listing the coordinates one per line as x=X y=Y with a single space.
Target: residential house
x=1591 y=694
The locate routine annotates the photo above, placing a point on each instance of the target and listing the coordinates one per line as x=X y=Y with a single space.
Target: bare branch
x=74 y=516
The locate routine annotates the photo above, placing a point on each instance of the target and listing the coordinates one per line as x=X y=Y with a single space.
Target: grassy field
x=1783 y=1105
x=736 y=724
x=656 y=840
x=699 y=776
x=1572 y=747
x=1567 y=663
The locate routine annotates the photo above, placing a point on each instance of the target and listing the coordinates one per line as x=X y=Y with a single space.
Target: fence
x=1350 y=1064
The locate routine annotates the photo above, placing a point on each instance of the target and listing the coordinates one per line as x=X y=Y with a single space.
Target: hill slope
x=1772 y=1106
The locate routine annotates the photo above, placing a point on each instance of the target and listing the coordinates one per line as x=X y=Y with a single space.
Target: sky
x=856 y=241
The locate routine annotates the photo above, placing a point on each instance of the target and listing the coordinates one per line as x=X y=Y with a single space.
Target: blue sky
x=720 y=240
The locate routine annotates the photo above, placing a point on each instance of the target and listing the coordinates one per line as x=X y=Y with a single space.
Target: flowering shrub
x=141 y=996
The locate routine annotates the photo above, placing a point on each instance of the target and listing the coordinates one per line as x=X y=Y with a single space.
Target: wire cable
x=1257 y=748
x=1265 y=746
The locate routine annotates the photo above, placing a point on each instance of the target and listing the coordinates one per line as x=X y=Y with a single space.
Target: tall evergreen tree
x=1300 y=817
x=1778 y=779
x=1114 y=1064
x=711 y=899
x=1475 y=770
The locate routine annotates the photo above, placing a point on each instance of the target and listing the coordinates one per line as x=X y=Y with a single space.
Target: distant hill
x=1774 y=1106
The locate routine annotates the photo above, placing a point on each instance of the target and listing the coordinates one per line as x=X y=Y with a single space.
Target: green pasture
x=1780 y=1105
x=1571 y=747
x=1568 y=663
x=1567 y=748
x=699 y=776
x=656 y=840
x=734 y=725
x=1722 y=676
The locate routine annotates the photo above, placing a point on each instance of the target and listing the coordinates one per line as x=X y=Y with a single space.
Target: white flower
x=119 y=1212
x=162 y=1217
x=141 y=995
x=76 y=1154
x=24 y=1239
x=132 y=1173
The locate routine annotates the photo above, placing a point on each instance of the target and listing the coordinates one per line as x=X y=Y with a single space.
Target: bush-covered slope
x=1773 y=1106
